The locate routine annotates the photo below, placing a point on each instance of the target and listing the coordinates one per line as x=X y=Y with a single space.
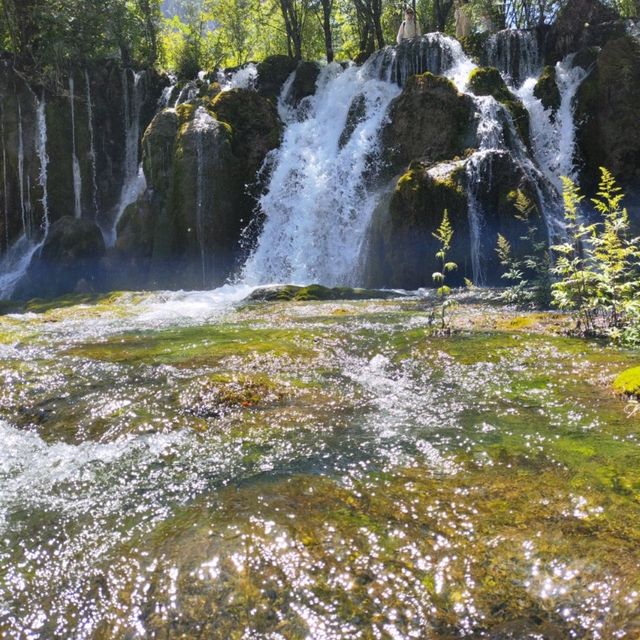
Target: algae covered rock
x=429 y=120
x=290 y=292
x=608 y=115
x=401 y=248
x=487 y=81
x=546 y=88
x=71 y=254
x=158 y=144
x=628 y=382
x=255 y=126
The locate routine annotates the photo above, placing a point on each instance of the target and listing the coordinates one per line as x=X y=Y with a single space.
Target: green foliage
x=598 y=266
x=530 y=275
x=444 y=235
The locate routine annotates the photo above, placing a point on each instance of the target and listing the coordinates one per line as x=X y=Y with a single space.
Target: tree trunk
x=326 y=28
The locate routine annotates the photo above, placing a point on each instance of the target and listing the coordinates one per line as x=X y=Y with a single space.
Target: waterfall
x=133 y=181
x=92 y=148
x=433 y=52
x=202 y=122
x=286 y=112
x=5 y=191
x=23 y=209
x=515 y=53
x=553 y=134
x=478 y=171
x=77 y=178
x=317 y=206
x=41 y=150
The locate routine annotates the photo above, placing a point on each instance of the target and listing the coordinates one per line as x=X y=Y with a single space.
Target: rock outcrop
x=608 y=116
x=69 y=260
x=429 y=120
x=201 y=161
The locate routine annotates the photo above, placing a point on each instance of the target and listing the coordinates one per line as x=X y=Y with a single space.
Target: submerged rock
x=70 y=256
x=296 y=293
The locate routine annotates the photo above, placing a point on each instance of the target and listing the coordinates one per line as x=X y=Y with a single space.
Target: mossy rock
x=546 y=89
x=487 y=81
x=158 y=145
x=71 y=254
x=608 y=116
x=255 y=126
x=220 y=394
x=628 y=382
x=401 y=246
x=429 y=120
x=311 y=292
x=272 y=74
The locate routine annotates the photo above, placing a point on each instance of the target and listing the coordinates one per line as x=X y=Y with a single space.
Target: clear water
x=175 y=465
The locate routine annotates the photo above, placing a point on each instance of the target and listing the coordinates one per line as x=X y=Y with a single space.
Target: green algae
x=628 y=382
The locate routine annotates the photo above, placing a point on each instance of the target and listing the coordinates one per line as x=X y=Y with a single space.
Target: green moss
x=628 y=382
x=487 y=81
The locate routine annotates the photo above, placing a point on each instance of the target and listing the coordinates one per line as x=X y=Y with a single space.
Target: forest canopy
x=185 y=36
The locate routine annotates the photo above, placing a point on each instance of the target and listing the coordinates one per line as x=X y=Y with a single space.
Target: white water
x=77 y=178
x=23 y=209
x=318 y=206
x=477 y=168
x=5 y=192
x=244 y=78
x=511 y=46
x=553 y=135
x=202 y=122
x=134 y=181
x=41 y=150
x=92 y=147
x=15 y=263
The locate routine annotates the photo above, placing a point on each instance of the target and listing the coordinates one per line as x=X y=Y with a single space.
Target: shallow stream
x=190 y=466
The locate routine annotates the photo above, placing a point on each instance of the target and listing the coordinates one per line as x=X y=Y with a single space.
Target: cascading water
x=433 y=52
x=553 y=134
x=134 y=181
x=92 y=147
x=5 y=191
x=478 y=170
x=23 y=208
x=41 y=150
x=77 y=177
x=515 y=53
x=317 y=206
x=202 y=122
x=243 y=78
